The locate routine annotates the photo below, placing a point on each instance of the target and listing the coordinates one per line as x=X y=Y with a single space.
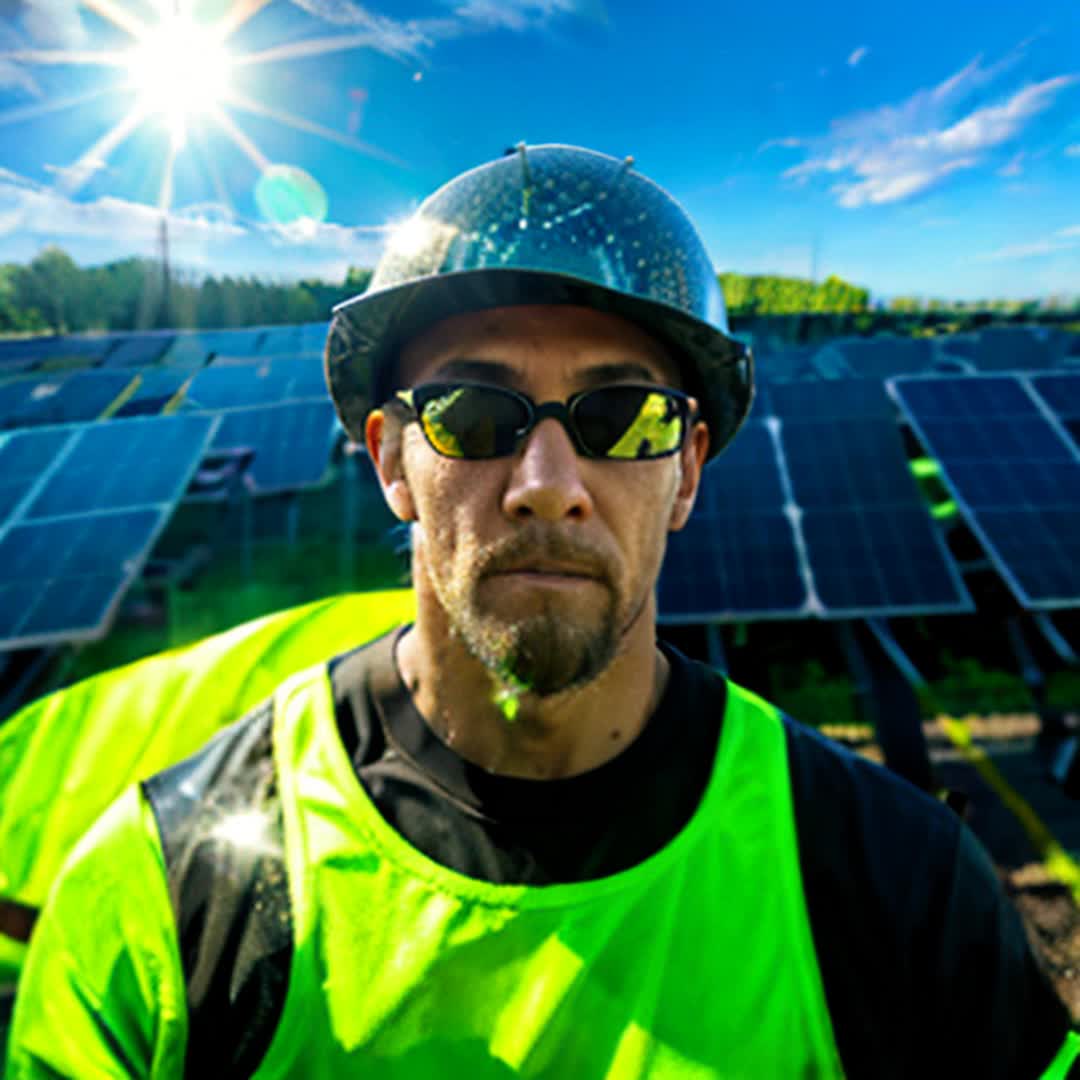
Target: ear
x=691 y=461
x=384 y=449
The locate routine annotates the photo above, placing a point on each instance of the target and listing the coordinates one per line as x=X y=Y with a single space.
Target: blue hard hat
x=545 y=225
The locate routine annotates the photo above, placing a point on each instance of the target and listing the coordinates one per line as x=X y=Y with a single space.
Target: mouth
x=548 y=573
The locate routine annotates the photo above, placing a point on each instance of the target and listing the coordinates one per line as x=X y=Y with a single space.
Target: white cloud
x=855 y=58
x=1073 y=150
x=512 y=14
x=789 y=142
x=1066 y=239
x=895 y=152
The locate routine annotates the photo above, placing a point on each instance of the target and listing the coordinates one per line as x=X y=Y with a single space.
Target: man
x=521 y=836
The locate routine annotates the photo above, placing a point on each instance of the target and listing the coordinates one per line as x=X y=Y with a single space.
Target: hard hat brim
x=368 y=331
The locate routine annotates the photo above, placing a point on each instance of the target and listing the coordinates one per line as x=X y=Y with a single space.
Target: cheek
x=453 y=502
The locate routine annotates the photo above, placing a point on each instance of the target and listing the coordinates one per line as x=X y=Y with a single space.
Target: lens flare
x=288 y=196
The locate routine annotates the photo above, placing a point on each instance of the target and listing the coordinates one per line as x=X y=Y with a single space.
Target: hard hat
x=545 y=225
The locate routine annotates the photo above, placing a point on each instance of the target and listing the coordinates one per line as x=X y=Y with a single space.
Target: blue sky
x=926 y=148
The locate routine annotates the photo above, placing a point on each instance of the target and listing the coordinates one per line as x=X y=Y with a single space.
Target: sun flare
x=179 y=70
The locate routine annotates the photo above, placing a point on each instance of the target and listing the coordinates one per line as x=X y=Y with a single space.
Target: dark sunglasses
x=623 y=422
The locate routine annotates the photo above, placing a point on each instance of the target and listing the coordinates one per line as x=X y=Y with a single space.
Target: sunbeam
x=101 y=58
x=76 y=176
x=254 y=154
x=319 y=47
x=215 y=177
x=43 y=108
x=165 y=195
x=239 y=13
x=118 y=16
x=247 y=105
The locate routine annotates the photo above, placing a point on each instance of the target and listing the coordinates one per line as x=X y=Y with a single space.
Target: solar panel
x=69 y=398
x=187 y=351
x=125 y=463
x=1015 y=348
x=86 y=504
x=870 y=542
x=63 y=579
x=785 y=364
x=313 y=336
x=228 y=386
x=277 y=340
x=14 y=394
x=292 y=442
x=232 y=343
x=1014 y=476
x=1061 y=392
x=737 y=556
x=153 y=389
x=305 y=375
x=138 y=350
x=832 y=399
x=25 y=457
x=884 y=355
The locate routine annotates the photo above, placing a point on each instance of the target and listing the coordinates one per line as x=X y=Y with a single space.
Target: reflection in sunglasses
x=656 y=429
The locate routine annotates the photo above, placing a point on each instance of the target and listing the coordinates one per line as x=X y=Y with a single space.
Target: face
x=544 y=561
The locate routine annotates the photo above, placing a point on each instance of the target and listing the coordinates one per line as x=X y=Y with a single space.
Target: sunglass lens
x=473 y=422
x=628 y=422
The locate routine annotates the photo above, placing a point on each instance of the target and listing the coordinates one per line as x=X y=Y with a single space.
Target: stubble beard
x=551 y=649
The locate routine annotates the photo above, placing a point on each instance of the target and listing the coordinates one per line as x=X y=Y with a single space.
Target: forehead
x=537 y=341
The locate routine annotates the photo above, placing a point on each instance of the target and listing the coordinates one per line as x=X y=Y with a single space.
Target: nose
x=546 y=480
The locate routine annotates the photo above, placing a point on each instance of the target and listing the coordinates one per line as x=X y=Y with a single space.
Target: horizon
x=925 y=154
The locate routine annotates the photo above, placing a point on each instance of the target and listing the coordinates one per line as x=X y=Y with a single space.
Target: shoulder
x=924 y=960
x=102 y=968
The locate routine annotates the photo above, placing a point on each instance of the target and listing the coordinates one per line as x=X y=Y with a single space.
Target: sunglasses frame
x=415 y=398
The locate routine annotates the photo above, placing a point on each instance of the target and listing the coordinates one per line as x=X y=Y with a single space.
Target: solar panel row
x=80 y=508
x=1013 y=470
x=813 y=511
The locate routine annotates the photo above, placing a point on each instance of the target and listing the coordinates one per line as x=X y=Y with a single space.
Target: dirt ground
x=1052 y=919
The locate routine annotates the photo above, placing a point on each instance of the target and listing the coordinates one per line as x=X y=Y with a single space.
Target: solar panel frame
x=46 y=513
x=982 y=486
x=744 y=524
x=871 y=546
x=282 y=468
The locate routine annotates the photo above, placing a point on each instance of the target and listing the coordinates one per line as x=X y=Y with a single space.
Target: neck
x=549 y=737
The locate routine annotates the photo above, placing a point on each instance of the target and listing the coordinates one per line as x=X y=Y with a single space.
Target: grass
x=228 y=593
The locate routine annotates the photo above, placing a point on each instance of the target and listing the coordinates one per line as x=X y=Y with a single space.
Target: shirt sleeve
x=102 y=994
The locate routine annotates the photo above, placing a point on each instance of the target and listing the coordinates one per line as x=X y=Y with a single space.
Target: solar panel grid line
x=79 y=601
x=813 y=605
x=847 y=472
x=152 y=462
x=1050 y=414
x=736 y=558
x=1008 y=532
x=62 y=453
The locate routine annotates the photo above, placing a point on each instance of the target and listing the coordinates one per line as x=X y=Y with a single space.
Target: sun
x=179 y=70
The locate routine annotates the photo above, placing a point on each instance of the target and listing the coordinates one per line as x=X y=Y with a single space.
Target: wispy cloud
x=1073 y=150
x=207 y=234
x=1014 y=166
x=857 y=56
x=513 y=14
x=895 y=152
x=789 y=142
x=1066 y=239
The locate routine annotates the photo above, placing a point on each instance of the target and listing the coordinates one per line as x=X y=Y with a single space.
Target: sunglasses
x=475 y=421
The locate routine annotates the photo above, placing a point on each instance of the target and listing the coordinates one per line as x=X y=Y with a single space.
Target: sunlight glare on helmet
x=417 y=234
x=179 y=70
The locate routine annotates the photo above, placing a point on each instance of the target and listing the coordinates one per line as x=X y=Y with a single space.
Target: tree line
x=53 y=294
